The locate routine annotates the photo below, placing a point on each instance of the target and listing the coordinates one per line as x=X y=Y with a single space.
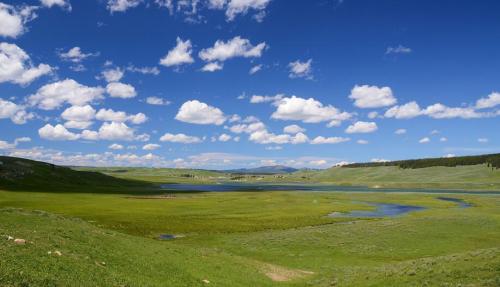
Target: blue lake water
x=227 y=187
x=381 y=210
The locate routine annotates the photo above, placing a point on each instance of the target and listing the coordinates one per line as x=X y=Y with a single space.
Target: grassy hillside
x=24 y=174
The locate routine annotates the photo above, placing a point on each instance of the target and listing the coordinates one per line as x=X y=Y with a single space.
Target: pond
x=381 y=210
x=461 y=203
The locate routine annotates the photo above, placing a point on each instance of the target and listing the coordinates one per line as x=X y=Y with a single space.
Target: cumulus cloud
x=257 y=99
x=16 y=66
x=16 y=113
x=307 y=110
x=75 y=55
x=12 y=19
x=54 y=95
x=109 y=115
x=225 y=137
x=329 y=140
x=144 y=70
x=236 y=7
x=265 y=137
x=293 y=129
x=112 y=75
x=157 y=101
x=406 y=111
x=61 y=3
x=236 y=47
x=180 y=138
x=440 y=111
x=366 y=96
x=79 y=113
x=196 y=112
x=212 y=67
x=115 y=146
x=300 y=69
x=121 y=90
x=491 y=101
x=248 y=128
x=363 y=142
x=362 y=127
x=424 y=140
x=179 y=55
x=56 y=133
x=151 y=146
x=115 y=131
x=122 y=5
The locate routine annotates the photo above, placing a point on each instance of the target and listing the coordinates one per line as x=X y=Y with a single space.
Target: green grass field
x=109 y=236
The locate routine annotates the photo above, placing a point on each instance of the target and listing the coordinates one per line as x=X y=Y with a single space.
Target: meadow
x=108 y=237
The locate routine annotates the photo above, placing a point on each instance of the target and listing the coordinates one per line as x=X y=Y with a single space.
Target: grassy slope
x=461 y=177
x=23 y=174
x=230 y=236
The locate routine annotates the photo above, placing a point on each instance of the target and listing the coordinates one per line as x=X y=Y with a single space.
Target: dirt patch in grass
x=283 y=274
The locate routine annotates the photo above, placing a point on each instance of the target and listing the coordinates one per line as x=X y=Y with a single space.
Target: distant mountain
x=273 y=169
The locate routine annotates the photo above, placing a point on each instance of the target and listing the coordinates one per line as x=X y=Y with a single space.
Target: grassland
x=109 y=237
x=472 y=177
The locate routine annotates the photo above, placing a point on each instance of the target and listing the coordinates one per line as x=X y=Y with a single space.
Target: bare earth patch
x=282 y=274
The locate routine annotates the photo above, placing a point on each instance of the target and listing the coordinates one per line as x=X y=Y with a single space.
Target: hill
x=491 y=160
x=273 y=169
x=24 y=174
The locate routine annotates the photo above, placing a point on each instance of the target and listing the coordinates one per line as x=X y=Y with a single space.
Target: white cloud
x=293 y=129
x=400 y=131
x=372 y=115
x=255 y=69
x=79 y=113
x=78 y=124
x=366 y=96
x=491 y=101
x=180 y=138
x=443 y=139
x=257 y=99
x=362 y=127
x=57 y=133
x=115 y=146
x=224 y=137
x=440 y=111
x=122 y=5
x=482 y=140
x=16 y=66
x=112 y=75
x=151 y=147
x=274 y=147
x=61 y=3
x=212 y=67
x=6 y=145
x=329 y=140
x=362 y=142
x=265 y=137
x=157 y=101
x=307 y=110
x=196 y=112
x=121 y=90
x=406 y=111
x=75 y=55
x=109 y=115
x=248 y=128
x=235 y=7
x=144 y=70
x=22 y=140
x=115 y=131
x=380 y=160
x=398 y=50
x=236 y=47
x=54 y=95
x=300 y=69
x=424 y=140
x=12 y=20
x=179 y=55
x=16 y=113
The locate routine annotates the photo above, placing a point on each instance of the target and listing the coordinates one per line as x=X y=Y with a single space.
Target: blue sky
x=240 y=83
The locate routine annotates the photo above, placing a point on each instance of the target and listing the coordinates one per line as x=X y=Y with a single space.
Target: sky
x=220 y=84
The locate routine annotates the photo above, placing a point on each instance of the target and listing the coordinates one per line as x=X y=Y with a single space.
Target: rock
x=58 y=253
x=205 y=281
x=19 y=241
x=10 y=238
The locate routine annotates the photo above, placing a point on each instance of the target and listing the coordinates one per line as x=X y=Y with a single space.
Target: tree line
x=491 y=160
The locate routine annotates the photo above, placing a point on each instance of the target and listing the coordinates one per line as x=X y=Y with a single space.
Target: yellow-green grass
x=232 y=239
